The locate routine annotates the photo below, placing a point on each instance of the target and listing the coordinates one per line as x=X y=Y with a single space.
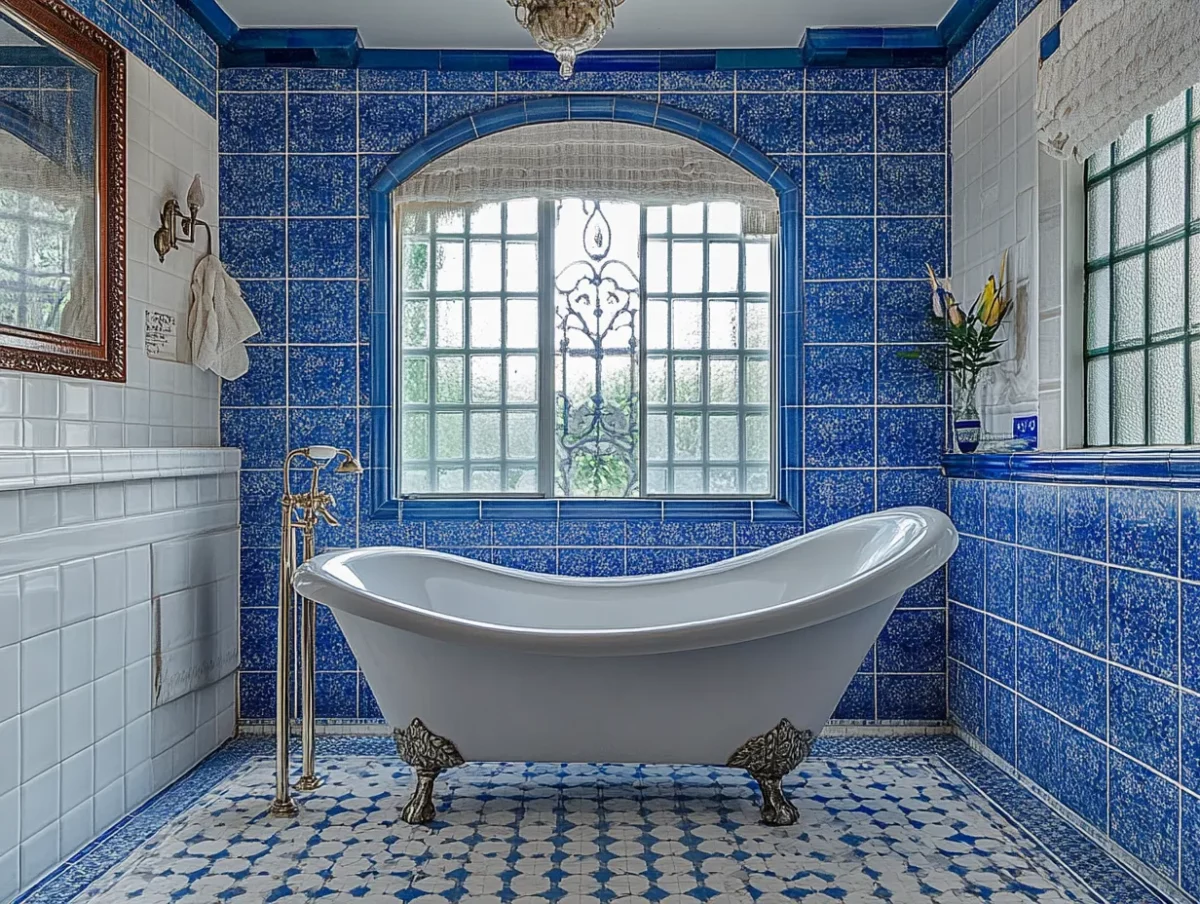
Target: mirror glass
x=48 y=199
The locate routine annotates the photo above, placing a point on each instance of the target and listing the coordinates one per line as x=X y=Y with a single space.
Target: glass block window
x=585 y=348
x=469 y=350
x=708 y=364
x=1143 y=282
x=35 y=260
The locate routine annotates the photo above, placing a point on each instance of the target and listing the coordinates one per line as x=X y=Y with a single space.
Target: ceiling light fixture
x=566 y=28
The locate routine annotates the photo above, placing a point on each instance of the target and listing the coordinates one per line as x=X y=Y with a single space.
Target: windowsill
x=493 y=509
x=1161 y=466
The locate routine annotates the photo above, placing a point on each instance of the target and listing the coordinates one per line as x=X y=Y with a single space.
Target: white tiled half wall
x=163 y=403
x=82 y=742
x=995 y=191
x=95 y=479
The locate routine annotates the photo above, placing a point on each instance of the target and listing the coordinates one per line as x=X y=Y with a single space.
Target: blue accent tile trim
x=1173 y=469
x=210 y=17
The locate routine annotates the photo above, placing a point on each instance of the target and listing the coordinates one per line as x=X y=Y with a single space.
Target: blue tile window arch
x=382 y=503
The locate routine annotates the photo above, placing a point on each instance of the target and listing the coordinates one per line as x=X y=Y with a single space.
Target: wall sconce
x=180 y=229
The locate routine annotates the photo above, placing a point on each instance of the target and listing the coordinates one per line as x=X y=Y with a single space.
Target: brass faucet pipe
x=311 y=505
x=283 y=805
x=308 y=780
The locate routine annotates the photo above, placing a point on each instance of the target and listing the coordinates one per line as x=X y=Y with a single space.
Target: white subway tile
x=41 y=601
x=10 y=610
x=40 y=396
x=109 y=754
x=77 y=505
x=110 y=501
x=78 y=720
x=40 y=739
x=78 y=591
x=137 y=498
x=39 y=510
x=40 y=852
x=76 y=828
x=138 y=573
x=74 y=400
x=39 y=802
x=109 y=703
x=78 y=654
x=10 y=681
x=112 y=582
x=137 y=743
x=110 y=805
x=137 y=689
x=110 y=643
x=10 y=763
x=10 y=827
x=78 y=778
x=39 y=670
x=10 y=873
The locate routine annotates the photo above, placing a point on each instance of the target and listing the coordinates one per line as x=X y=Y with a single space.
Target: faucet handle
x=322 y=503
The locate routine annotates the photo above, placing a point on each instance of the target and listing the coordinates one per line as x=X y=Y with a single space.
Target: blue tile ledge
x=1178 y=468
x=22 y=469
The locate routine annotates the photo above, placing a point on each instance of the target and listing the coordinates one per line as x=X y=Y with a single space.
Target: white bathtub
x=738 y=663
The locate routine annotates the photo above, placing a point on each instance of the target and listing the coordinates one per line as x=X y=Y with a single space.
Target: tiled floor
x=900 y=820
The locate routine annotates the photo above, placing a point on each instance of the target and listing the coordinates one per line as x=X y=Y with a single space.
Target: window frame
x=1186 y=235
x=546 y=355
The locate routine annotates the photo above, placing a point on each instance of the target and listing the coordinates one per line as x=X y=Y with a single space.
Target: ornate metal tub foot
x=429 y=755
x=768 y=758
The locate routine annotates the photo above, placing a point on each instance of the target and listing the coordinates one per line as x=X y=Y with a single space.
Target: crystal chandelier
x=566 y=28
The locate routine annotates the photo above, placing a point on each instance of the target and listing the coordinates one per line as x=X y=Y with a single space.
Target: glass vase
x=968 y=426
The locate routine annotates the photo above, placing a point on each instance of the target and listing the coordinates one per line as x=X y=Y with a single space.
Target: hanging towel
x=219 y=322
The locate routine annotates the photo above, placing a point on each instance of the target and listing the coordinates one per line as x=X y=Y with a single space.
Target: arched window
x=584 y=309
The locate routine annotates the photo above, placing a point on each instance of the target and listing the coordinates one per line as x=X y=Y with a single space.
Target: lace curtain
x=1118 y=61
x=614 y=161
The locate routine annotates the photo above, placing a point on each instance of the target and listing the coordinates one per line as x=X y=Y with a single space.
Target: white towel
x=219 y=322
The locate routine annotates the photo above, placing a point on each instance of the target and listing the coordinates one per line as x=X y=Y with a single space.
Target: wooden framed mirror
x=62 y=193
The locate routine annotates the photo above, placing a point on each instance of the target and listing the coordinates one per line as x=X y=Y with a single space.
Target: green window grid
x=1142 y=332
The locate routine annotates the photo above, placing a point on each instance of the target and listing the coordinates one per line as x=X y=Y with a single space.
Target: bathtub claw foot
x=429 y=755
x=777 y=810
x=768 y=758
x=420 y=810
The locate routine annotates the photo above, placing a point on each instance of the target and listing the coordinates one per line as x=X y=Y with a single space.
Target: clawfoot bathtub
x=739 y=663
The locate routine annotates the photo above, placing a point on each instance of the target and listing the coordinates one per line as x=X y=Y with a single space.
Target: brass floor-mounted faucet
x=301 y=512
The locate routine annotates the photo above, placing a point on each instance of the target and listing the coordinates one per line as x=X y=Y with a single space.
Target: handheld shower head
x=321 y=455
x=349 y=464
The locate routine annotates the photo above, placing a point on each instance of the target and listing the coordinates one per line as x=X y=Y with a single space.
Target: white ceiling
x=641 y=24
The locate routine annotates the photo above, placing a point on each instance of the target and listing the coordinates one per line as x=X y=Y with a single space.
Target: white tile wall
x=162 y=404
x=996 y=206
x=82 y=743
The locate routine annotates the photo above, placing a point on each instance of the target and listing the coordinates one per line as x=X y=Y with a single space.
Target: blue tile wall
x=164 y=37
x=299 y=149
x=1090 y=657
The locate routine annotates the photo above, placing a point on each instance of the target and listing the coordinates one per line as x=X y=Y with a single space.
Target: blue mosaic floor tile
x=900 y=819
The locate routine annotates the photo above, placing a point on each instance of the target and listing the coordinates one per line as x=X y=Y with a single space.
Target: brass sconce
x=301 y=511
x=180 y=229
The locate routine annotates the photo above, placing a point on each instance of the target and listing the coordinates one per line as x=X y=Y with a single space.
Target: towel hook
x=179 y=228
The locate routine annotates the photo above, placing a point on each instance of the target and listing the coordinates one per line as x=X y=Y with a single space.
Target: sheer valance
x=609 y=160
x=1118 y=61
